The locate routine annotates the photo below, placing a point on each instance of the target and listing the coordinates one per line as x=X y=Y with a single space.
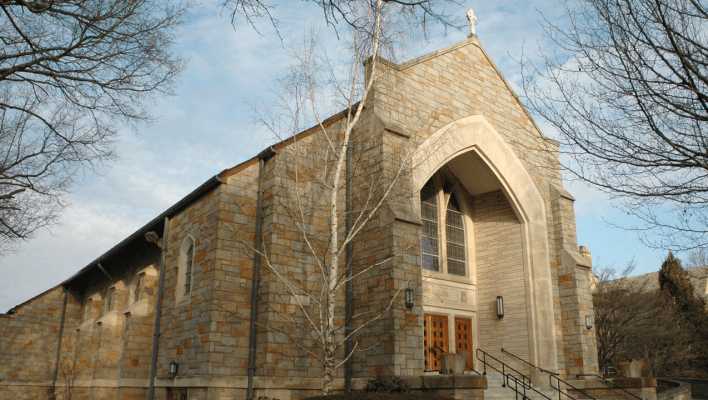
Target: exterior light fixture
x=409 y=295
x=174 y=368
x=588 y=321
x=500 y=307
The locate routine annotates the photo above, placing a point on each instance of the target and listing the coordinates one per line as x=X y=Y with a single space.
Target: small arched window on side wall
x=186 y=267
x=138 y=287
x=110 y=302
x=88 y=309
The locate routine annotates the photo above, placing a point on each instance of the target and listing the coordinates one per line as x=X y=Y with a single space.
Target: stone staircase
x=495 y=390
x=497 y=366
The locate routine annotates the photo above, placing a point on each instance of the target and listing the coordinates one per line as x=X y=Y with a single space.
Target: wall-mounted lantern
x=500 y=307
x=410 y=297
x=174 y=368
x=588 y=321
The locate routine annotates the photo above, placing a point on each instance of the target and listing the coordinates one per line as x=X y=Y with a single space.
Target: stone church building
x=484 y=254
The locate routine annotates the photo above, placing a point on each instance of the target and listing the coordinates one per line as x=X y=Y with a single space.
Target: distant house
x=698 y=276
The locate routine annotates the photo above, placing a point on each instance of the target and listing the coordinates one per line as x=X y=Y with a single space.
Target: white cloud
x=209 y=125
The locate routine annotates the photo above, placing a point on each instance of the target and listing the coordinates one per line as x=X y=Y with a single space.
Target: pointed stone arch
x=476 y=134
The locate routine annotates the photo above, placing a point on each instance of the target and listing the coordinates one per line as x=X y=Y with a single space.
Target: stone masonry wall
x=28 y=346
x=106 y=353
x=231 y=288
x=295 y=199
x=187 y=336
x=500 y=272
x=389 y=241
x=575 y=296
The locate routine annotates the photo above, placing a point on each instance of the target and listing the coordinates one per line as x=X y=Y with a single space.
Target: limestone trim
x=445 y=278
x=577 y=258
x=110 y=318
x=240 y=382
x=139 y=308
x=476 y=134
x=234 y=382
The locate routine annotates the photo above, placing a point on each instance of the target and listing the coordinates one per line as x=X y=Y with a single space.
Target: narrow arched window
x=189 y=260
x=455 y=235
x=137 y=290
x=186 y=267
x=110 y=299
x=88 y=309
x=429 y=243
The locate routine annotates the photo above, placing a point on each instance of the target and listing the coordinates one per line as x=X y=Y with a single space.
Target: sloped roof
x=650 y=281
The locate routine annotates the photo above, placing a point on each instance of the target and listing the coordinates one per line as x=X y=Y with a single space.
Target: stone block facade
x=450 y=112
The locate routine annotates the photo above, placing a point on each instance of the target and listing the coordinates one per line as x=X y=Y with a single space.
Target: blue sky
x=210 y=124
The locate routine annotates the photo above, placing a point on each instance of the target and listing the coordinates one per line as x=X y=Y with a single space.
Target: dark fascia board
x=154 y=224
x=204 y=188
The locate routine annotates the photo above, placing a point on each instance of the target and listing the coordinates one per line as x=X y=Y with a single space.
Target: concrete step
x=496 y=390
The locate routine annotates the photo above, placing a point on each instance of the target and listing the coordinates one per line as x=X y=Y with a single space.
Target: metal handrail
x=611 y=385
x=525 y=379
x=503 y=350
x=561 y=393
x=551 y=376
x=524 y=388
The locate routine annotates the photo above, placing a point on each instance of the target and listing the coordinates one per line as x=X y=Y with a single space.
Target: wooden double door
x=437 y=340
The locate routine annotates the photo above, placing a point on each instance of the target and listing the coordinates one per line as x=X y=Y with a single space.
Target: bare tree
x=627 y=93
x=350 y=13
x=698 y=258
x=621 y=312
x=313 y=172
x=70 y=72
x=635 y=319
x=317 y=304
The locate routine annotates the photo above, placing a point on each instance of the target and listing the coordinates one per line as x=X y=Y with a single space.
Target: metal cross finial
x=472 y=19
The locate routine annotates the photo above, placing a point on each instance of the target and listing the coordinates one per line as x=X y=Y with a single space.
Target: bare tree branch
x=627 y=94
x=70 y=73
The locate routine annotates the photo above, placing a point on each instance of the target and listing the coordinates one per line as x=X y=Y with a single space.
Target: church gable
x=425 y=94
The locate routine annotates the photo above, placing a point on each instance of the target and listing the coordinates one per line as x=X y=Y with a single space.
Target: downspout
x=256 y=276
x=110 y=278
x=59 y=340
x=162 y=245
x=349 y=287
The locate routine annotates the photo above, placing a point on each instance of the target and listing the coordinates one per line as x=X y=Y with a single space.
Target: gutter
x=264 y=156
x=162 y=244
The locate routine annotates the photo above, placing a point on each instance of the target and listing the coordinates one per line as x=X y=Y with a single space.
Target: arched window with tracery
x=455 y=238
x=443 y=250
x=430 y=240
